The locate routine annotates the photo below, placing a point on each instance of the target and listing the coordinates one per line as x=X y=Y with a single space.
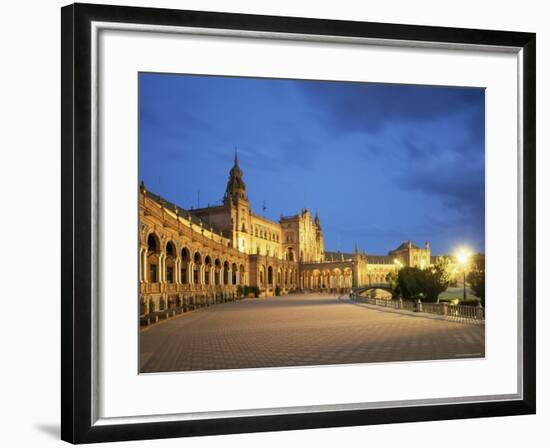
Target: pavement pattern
x=301 y=330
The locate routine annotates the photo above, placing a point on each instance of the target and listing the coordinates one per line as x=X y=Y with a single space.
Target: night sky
x=380 y=163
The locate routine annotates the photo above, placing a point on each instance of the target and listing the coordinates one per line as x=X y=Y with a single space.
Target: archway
x=153 y=253
x=197 y=266
x=226 y=273
x=290 y=254
x=270 y=276
x=185 y=259
x=234 y=273
x=207 y=270
x=170 y=262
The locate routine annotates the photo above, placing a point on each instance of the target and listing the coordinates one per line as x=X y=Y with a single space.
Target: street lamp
x=463 y=256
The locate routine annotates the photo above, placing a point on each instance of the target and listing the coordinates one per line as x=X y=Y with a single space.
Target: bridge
x=382 y=286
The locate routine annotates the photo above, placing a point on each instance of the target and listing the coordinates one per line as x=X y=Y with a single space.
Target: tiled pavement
x=298 y=330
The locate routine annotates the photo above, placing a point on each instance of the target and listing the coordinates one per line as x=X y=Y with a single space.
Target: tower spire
x=235 y=185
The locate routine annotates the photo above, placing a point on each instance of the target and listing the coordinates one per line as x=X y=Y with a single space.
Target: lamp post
x=463 y=256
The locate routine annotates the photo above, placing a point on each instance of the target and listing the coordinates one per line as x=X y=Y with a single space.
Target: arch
x=185 y=260
x=315 y=279
x=207 y=270
x=234 y=274
x=153 y=258
x=290 y=254
x=170 y=264
x=217 y=271
x=170 y=249
x=226 y=273
x=337 y=278
x=348 y=277
x=197 y=266
x=270 y=275
x=153 y=242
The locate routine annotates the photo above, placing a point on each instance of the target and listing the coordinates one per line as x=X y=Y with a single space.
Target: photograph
x=298 y=222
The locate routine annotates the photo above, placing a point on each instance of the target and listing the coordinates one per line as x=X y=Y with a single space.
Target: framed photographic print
x=274 y=223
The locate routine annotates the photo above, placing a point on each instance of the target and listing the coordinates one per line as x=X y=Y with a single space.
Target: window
x=153 y=273
x=169 y=274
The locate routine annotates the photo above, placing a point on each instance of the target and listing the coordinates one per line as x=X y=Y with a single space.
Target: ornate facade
x=413 y=256
x=192 y=258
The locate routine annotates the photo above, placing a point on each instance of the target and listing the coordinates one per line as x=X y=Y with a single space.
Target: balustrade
x=463 y=313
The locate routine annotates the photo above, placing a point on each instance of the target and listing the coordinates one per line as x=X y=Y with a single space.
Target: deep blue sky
x=381 y=163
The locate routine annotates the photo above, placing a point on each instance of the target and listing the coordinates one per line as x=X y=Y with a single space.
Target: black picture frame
x=76 y=218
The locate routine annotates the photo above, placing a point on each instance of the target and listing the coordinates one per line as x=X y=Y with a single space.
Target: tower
x=236 y=189
x=236 y=202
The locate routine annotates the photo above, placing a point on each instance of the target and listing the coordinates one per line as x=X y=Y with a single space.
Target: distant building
x=412 y=256
x=203 y=255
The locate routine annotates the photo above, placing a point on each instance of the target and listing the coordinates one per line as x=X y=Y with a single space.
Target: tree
x=409 y=282
x=391 y=278
x=476 y=276
x=438 y=279
x=426 y=284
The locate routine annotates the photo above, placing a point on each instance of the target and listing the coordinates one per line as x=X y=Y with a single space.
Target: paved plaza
x=298 y=330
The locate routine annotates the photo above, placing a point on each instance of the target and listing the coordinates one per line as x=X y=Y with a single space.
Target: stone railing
x=459 y=313
x=152 y=288
x=193 y=297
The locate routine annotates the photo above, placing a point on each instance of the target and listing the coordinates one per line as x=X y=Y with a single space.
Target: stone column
x=145 y=267
x=160 y=269
x=177 y=273
x=140 y=265
x=144 y=274
x=443 y=309
x=479 y=312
